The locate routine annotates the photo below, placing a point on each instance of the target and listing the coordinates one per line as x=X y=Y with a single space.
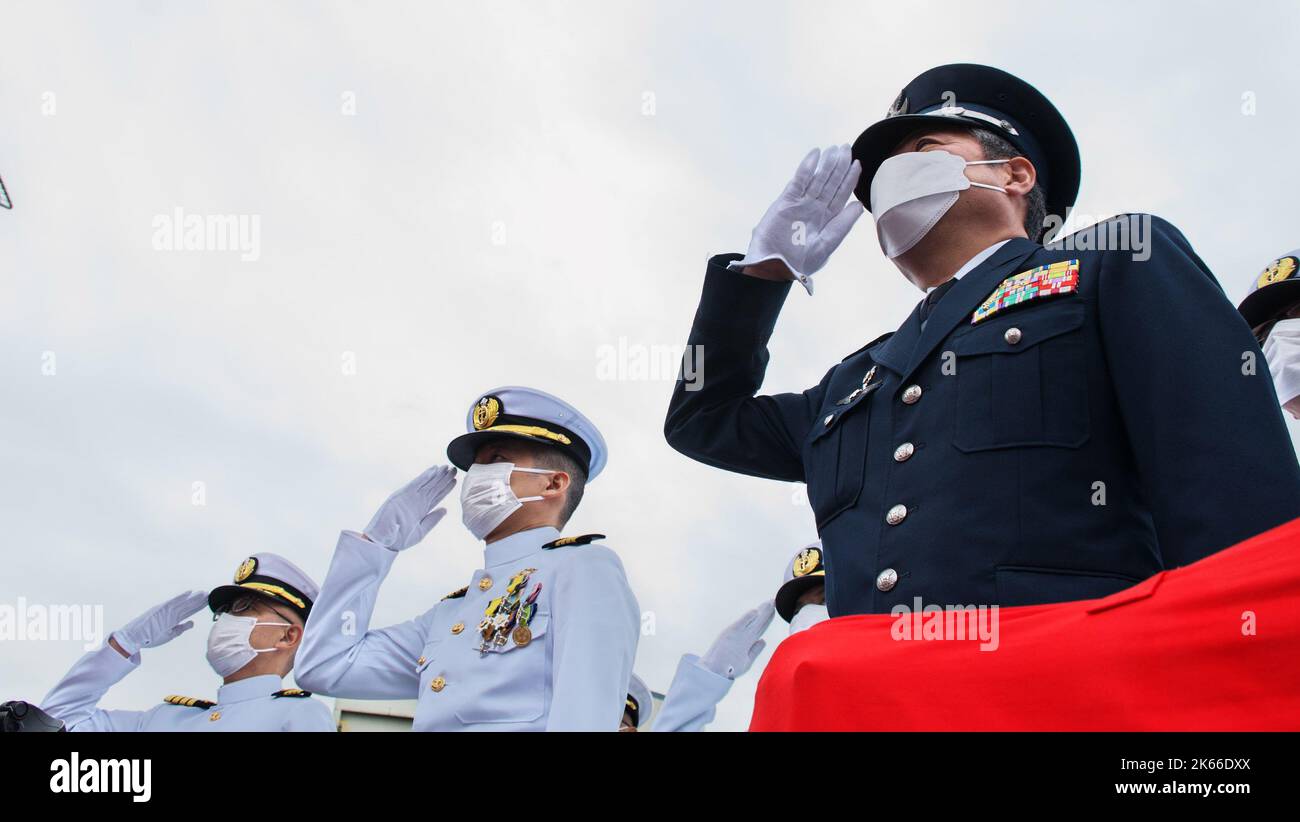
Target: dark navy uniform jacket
x=1076 y=445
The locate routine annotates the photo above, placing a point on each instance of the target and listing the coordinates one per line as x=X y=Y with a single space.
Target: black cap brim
x=223 y=595
x=1269 y=302
x=462 y=450
x=787 y=596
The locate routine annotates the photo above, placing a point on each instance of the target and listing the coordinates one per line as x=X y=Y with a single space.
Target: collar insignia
x=585 y=539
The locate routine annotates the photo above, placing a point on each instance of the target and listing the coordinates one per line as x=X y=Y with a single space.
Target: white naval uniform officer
x=701 y=682
x=257 y=628
x=544 y=635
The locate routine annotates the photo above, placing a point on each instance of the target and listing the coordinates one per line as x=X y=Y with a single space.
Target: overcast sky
x=457 y=196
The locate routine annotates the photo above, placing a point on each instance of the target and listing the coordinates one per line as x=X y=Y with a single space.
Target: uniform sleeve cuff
x=738 y=305
x=356 y=542
x=691 y=666
x=110 y=657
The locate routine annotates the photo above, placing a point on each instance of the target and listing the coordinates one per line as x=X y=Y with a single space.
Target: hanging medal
x=522 y=634
x=501 y=617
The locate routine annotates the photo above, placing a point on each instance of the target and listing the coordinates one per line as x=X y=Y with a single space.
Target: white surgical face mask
x=1282 y=350
x=229 y=648
x=486 y=498
x=912 y=191
x=808 y=616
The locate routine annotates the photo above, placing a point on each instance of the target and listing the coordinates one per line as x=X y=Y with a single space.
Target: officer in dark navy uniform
x=1046 y=425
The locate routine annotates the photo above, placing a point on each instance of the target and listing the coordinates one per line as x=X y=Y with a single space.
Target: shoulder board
x=458 y=593
x=298 y=692
x=879 y=339
x=188 y=701
x=582 y=540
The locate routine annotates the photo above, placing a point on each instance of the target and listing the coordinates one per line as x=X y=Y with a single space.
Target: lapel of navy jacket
x=1059 y=449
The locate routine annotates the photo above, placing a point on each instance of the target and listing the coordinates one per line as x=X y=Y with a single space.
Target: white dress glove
x=740 y=643
x=160 y=624
x=811 y=217
x=407 y=516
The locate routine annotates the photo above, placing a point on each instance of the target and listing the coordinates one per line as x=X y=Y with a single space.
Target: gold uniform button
x=911 y=394
x=214 y=716
x=904 y=452
x=437 y=684
x=420 y=661
x=1012 y=336
x=896 y=514
x=485 y=583
x=458 y=627
x=886 y=580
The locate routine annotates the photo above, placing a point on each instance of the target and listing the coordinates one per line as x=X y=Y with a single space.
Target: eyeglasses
x=241 y=604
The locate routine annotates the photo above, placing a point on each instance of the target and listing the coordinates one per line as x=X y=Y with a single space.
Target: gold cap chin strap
x=274 y=589
x=532 y=431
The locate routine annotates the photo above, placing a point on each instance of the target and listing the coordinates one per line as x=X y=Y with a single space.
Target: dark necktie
x=932 y=299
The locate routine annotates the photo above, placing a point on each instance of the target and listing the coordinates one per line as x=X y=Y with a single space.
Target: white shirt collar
x=519 y=545
x=252 y=687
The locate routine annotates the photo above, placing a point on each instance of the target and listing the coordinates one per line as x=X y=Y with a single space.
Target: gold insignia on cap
x=807 y=562
x=1277 y=271
x=486 y=412
x=245 y=569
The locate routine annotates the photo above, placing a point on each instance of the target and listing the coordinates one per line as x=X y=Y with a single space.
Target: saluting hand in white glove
x=810 y=219
x=740 y=643
x=160 y=624
x=407 y=516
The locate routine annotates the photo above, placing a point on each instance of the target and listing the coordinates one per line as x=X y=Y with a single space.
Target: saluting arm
x=701 y=682
x=340 y=655
x=714 y=416
x=75 y=697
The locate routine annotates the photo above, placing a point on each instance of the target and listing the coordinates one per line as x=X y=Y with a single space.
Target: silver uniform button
x=886 y=580
x=904 y=452
x=1012 y=336
x=911 y=394
x=896 y=514
x=830 y=418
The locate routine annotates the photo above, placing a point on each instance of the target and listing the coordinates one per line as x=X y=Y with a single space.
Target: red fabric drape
x=1214 y=645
